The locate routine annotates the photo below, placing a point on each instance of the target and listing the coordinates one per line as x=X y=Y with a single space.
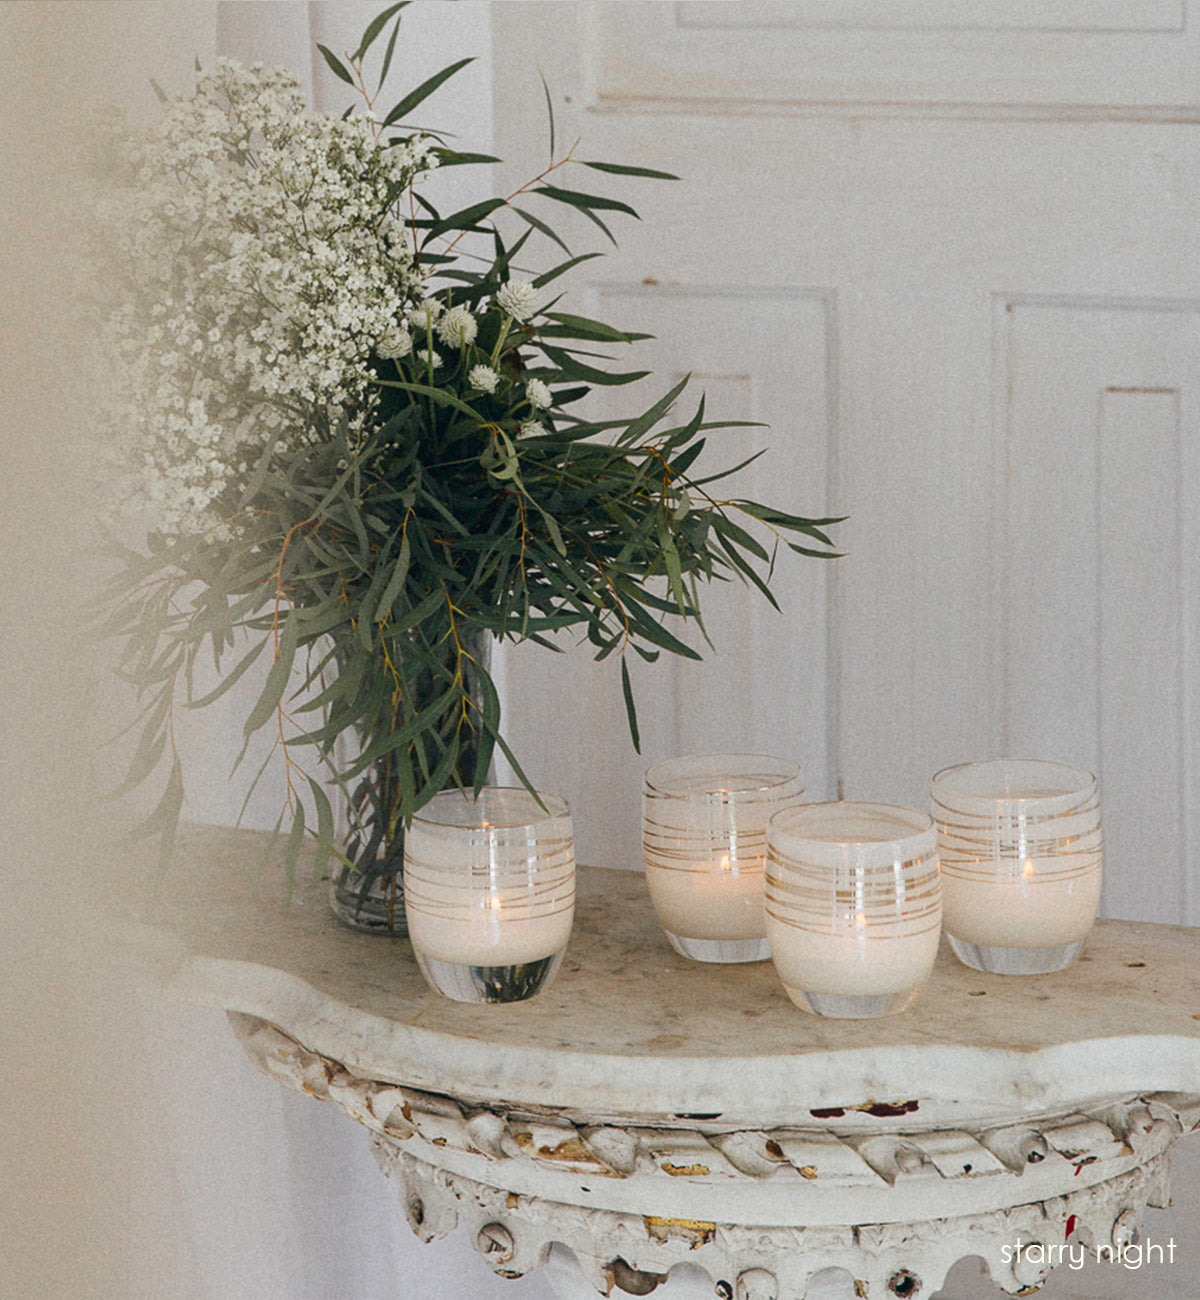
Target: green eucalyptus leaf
x=583 y=202
x=746 y=569
x=580 y=327
x=731 y=531
x=433 y=393
x=291 y=853
x=336 y=66
x=686 y=458
x=374 y=27
x=622 y=169
x=726 y=473
x=540 y=281
x=538 y=224
x=641 y=624
x=231 y=678
x=420 y=725
x=387 y=57
x=423 y=91
x=630 y=706
x=420 y=612
x=396 y=581
x=466 y=219
x=167 y=814
x=439 y=776
x=573 y=369
x=674 y=570
x=636 y=429
x=549 y=114
x=145 y=759
x=277 y=678
x=164 y=820
x=325 y=828
x=812 y=551
x=458 y=158
x=586 y=209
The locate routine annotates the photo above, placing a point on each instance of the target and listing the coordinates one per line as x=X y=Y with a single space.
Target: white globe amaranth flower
x=395 y=344
x=484 y=378
x=530 y=429
x=430 y=358
x=518 y=299
x=424 y=316
x=457 y=327
x=538 y=394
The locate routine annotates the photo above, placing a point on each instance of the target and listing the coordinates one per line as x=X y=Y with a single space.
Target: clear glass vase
x=368 y=895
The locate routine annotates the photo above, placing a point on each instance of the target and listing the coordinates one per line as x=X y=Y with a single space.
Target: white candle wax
x=1020 y=909
x=485 y=936
x=719 y=900
x=848 y=962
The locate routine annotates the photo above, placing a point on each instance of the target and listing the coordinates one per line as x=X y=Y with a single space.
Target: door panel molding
x=1077 y=16
x=1099 y=496
x=1022 y=60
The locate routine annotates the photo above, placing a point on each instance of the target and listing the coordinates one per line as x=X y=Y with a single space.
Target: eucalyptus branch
x=370 y=447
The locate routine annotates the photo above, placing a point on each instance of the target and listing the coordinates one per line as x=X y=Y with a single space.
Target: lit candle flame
x=726 y=869
x=861 y=920
x=494 y=902
x=1027 y=869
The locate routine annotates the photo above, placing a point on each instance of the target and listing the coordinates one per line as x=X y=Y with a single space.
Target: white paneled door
x=949 y=251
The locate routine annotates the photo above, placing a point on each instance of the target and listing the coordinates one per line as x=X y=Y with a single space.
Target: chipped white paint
x=426 y=1141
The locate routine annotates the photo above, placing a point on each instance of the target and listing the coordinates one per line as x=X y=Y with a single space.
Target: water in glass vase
x=366 y=892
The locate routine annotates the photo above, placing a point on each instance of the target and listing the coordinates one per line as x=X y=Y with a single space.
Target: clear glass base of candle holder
x=720 y=950
x=462 y=983
x=852 y=1006
x=1015 y=961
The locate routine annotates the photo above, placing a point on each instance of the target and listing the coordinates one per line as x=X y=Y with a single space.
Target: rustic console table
x=647 y=1110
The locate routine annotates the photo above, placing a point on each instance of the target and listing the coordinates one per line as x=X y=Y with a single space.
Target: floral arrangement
x=369 y=449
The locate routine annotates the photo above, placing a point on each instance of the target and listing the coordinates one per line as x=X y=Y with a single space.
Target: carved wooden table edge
x=893 y=1197
x=501 y=1173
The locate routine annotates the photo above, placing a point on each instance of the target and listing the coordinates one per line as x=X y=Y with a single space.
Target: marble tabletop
x=630 y=1029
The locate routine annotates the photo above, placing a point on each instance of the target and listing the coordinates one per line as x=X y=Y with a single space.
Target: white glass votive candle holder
x=853 y=906
x=489 y=889
x=704 y=838
x=1021 y=854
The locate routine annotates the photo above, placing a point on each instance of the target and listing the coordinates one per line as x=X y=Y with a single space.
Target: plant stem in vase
x=366 y=887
